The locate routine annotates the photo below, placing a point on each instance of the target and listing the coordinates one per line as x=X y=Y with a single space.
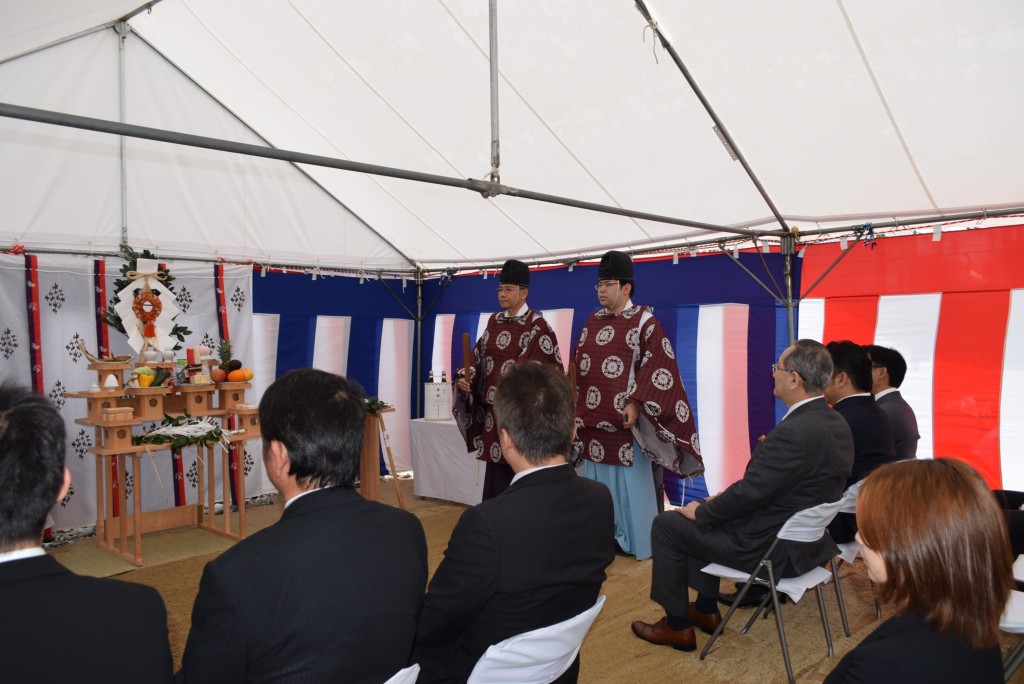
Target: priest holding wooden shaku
x=513 y=335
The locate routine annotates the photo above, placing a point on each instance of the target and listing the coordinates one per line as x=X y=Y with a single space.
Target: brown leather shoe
x=707 y=623
x=661 y=635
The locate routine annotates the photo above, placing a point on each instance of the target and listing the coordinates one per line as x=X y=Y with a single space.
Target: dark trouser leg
x=659 y=486
x=497 y=478
x=673 y=539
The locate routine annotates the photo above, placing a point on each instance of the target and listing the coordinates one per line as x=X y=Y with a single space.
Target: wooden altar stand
x=369 y=460
x=113 y=412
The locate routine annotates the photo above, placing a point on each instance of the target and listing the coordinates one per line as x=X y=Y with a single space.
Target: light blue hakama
x=633 y=496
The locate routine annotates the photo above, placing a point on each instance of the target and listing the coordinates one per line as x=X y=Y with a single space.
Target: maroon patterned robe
x=506 y=341
x=627 y=357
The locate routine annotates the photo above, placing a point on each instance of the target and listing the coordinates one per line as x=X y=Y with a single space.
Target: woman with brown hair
x=935 y=542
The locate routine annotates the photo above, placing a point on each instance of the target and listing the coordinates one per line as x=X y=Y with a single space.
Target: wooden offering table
x=113 y=412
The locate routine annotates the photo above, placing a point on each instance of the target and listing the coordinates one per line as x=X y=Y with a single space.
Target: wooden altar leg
x=212 y=483
x=240 y=488
x=201 y=519
x=369 y=460
x=225 y=482
x=137 y=507
x=391 y=460
x=122 y=502
x=101 y=501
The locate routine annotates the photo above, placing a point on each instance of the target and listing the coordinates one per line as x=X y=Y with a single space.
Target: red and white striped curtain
x=955 y=309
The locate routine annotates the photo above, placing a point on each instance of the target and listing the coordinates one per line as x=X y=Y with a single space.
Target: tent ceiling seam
x=415 y=131
x=885 y=103
x=388 y=242
x=542 y=121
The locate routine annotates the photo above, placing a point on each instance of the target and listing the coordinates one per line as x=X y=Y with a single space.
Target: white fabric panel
x=1011 y=401
x=560 y=321
x=190 y=200
x=65 y=316
x=330 y=346
x=811 y=324
x=441 y=358
x=265 y=331
x=909 y=324
x=40 y=163
x=238 y=300
x=14 y=339
x=394 y=379
x=711 y=394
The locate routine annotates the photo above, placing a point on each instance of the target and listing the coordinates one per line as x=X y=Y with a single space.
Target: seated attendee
x=935 y=543
x=888 y=368
x=802 y=463
x=56 y=626
x=329 y=593
x=531 y=557
x=848 y=392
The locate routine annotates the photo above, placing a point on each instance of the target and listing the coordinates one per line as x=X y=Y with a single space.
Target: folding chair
x=405 y=676
x=804 y=526
x=1013 y=621
x=848 y=553
x=539 y=656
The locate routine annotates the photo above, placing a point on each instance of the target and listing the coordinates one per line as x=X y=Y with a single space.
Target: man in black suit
x=873 y=442
x=531 y=557
x=332 y=591
x=55 y=625
x=802 y=463
x=888 y=368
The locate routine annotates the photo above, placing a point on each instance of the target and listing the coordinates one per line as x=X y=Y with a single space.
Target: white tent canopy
x=847 y=112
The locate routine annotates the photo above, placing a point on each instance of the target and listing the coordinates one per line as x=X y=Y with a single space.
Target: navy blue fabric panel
x=760 y=383
x=685 y=343
x=295 y=337
x=781 y=342
x=579 y=319
x=426 y=337
x=701 y=280
x=338 y=296
x=463 y=324
x=364 y=352
x=364 y=360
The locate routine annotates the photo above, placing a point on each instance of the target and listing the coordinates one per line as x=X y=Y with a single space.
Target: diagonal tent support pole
x=495 y=141
x=719 y=125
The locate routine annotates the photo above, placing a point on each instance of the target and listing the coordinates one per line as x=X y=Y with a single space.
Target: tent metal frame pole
x=418 y=384
x=495 y=140
x=485 y=188
x=788 y=251
x=122 y=86
x=719 y=124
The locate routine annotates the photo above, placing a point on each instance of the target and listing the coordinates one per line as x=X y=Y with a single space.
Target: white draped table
x=442 y=468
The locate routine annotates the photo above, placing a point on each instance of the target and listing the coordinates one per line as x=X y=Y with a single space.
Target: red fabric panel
x=968 y=373
x=850 y=318
x=965 y=261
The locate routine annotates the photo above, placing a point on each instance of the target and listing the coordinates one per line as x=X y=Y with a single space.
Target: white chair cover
x=850 y=497
x=1018 y=568
x=406 y=676
x=848 y=551
x=793 y=587
x=1013 y=616
x=536 y=657
x=809 y=524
